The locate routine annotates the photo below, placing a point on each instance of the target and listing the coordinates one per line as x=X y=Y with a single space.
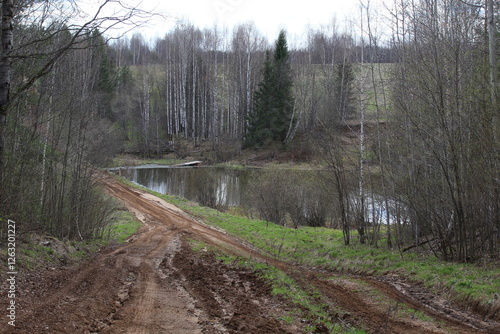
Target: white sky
x=269 y=16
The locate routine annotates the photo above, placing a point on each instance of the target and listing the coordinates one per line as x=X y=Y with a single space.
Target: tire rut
x=156 y=284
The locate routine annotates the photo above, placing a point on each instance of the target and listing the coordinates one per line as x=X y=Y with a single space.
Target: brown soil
x=156 y=284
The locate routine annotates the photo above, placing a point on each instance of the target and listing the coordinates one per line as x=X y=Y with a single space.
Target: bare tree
x=5 y=74
x=247 y=55
x=57 y=119
x=447 y=159
x=28 y=16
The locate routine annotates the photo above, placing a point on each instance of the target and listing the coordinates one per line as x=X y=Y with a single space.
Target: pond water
x=215 y=186
x=300 y=194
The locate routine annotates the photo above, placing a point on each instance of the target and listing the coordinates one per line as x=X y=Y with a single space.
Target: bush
x=291 y=198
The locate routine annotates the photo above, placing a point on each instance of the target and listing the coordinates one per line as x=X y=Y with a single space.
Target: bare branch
x=97 y=25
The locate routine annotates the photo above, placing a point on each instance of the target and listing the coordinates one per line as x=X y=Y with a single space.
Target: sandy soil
x=156 y=284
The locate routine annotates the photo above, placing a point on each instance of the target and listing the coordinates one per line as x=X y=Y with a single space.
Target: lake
x=299 y=195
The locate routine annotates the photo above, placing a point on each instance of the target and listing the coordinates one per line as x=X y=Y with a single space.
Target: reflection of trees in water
x=286 y=197
x=216 y=188
x=212 y=187
x=204 y=186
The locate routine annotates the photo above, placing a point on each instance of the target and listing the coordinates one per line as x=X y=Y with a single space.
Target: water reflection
x=299 y=197
x=211 y=186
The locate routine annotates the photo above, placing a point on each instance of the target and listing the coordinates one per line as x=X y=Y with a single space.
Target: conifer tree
x=283 y=95
x=258 y=121
x=273 y=99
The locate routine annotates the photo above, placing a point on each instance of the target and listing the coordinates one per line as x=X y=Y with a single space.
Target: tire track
x=154 y=284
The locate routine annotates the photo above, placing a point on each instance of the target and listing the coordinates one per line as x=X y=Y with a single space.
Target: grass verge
x=124 y=224
x=35 y=251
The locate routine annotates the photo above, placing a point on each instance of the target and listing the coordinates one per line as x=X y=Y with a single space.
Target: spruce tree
x=283 y=95
x=273 y=99
x=258 y=129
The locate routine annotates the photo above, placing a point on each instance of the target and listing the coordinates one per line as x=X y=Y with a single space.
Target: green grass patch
x=124 y=225
x=30 y=256
x=196 y=245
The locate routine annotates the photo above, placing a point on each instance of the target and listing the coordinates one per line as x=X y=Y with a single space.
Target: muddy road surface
x=155 y=283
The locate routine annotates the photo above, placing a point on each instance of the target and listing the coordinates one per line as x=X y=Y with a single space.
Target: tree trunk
x=492 y=50
x=493 y=64
x=5 y=69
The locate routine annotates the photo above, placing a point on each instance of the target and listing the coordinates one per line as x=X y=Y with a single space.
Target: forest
x=410 y=115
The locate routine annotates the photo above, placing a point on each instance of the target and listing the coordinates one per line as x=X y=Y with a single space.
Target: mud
x=156 y=284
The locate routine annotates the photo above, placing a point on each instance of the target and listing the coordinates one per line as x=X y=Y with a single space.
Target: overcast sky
x=269 y=16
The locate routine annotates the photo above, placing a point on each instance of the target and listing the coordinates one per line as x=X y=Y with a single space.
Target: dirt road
x=156 y=284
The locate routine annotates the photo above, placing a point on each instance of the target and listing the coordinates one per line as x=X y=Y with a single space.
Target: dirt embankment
x=156 y=284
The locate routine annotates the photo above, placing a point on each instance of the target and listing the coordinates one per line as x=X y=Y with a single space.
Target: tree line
x=200 y=85
x=407 y=118
x=431 y=154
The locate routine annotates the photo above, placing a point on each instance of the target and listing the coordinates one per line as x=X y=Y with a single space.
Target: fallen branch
x=417 y=245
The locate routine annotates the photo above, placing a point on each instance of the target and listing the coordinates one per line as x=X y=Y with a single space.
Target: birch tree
x=5 y=74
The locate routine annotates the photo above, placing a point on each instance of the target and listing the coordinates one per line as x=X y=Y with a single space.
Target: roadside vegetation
x=37 y=251
x=124 y=225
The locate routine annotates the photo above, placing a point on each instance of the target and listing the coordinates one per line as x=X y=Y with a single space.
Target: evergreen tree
x=273 y=100
x=258 y=132
x=283 y=95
